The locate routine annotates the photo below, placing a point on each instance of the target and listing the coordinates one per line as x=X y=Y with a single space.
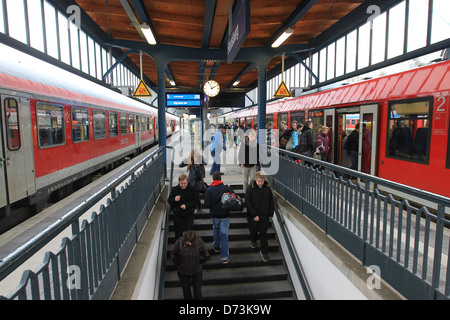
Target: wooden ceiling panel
x=182 y=23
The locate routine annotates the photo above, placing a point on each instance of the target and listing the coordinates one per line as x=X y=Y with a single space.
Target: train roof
x=416 y=82
x=23 y=73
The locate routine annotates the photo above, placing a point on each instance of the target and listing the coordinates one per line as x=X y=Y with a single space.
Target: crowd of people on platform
x=189 y=251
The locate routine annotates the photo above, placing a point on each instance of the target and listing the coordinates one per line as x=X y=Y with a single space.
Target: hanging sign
x=239 y=31
x=282 y=91
x=142 y=90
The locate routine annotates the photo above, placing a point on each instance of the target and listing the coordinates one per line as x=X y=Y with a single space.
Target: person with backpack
x=248 y=158
x=220 y=216
x=260 y=208
x=188 y=254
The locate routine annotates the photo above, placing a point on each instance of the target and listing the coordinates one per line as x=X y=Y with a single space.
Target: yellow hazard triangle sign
x=142 y=90
x=282 y=91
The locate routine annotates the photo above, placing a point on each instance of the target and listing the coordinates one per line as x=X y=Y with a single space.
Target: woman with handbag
x=188 y=254
x=322 y=143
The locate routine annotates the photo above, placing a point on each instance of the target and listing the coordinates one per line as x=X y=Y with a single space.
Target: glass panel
x=50 y=125
x=113 y=124
x=340 y=57
x=441 y=22
x=123 y=124
x=35 y=21
x=131 y=123
x=409 y=134
x=417 y=26
x=12 y=124
x=64 y=38
x=99 y=124
x=50 y=30
x=366 y=158
x=351 y=52
x=396 y=36
x=80 y=124
x=379 y=39
x=16 y=20
x=363 y=46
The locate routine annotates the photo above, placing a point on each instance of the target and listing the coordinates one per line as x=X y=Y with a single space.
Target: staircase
x=245 y=276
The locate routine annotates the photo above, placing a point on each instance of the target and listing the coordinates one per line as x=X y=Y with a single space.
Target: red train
x=58 y=128
x=404 y=135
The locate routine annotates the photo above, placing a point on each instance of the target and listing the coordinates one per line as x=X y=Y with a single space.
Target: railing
x=407 y=243
x=90 y=262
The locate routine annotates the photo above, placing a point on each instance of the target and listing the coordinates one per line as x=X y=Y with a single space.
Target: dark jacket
x=352 y=143
x=187 y=258
x=213 y=198
x=259 y=201
x=196 y=174
x=249 y=153
x=189 y=197
x=306 y=145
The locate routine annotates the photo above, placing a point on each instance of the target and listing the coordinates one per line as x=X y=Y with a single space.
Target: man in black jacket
x=260 y=207
x=220 y=216
x=183 y=199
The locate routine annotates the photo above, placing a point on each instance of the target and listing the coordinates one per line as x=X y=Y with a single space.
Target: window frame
x=39 y=103
x=88 y=125
x=428 y=99
x=94 y=111
x=7 y=126
x=111 y=113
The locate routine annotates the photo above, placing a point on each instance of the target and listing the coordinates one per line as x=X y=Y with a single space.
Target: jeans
x=215 y=166
x=220 y=233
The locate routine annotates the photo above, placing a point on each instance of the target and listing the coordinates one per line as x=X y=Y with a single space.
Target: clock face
x=211 y=88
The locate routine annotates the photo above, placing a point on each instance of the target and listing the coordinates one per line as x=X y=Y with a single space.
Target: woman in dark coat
x=188 y=253
x=260 y=207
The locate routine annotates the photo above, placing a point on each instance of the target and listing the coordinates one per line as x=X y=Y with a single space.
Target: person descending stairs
x=245 y=275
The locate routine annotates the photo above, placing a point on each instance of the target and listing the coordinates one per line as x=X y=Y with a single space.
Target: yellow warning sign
x=282 y=91
x=142 y=90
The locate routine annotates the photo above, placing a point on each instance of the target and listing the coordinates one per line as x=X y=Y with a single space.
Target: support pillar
x=161 y=83
x=262 y=96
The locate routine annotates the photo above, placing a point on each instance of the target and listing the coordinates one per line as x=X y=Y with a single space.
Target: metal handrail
x=18 y=256
x=165 y=230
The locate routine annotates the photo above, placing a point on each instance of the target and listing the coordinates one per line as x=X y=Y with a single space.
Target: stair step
x=242 y=246
x=251 y=290
x=233 y=234
x=234 y=275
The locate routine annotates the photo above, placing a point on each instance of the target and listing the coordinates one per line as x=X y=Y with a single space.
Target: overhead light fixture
x=286 y=34
x=172 y=83
x=236 y=83
x=145 y=28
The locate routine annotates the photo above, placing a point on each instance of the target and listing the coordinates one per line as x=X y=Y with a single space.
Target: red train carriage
x=404 y=120
x=57 y=128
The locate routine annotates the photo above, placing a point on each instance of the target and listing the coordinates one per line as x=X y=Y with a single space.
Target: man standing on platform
x=217 y=145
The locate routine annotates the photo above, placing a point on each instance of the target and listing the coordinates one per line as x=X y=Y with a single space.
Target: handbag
x=231 y=201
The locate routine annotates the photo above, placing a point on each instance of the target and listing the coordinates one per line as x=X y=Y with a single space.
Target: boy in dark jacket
x=260 y=207
x=183 y=199
x=220 y=216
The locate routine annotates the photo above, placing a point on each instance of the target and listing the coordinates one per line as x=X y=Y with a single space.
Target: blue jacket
x=218 y=142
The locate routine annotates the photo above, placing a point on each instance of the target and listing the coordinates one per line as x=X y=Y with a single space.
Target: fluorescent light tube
x=286 y=34
x=236 y=83
x=148 y=33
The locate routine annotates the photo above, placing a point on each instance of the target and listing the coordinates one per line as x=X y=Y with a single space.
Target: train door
x=363 y=120
x=368 y=135
x=329 y=118
x=17 y=149
x=3 y=199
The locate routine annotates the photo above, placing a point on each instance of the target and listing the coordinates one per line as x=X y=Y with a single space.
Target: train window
x=99 y=124
x=298 y=116
x=123 y=124
x=50 y=125
x=12 y=124
x=408 y=135
x=80 y=124
x=113 y=124
x=131 y=123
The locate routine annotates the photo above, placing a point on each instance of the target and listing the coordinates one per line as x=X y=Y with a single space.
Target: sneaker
x=226 y=261
x=263 y=256
x=216 y=249
x=253 y=244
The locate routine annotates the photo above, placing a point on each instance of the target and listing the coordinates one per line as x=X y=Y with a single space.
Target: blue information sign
x=183 y=100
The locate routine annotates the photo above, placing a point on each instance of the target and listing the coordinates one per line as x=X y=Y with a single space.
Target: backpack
x=231 y=201
x=197 y=173
x=289 y=144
